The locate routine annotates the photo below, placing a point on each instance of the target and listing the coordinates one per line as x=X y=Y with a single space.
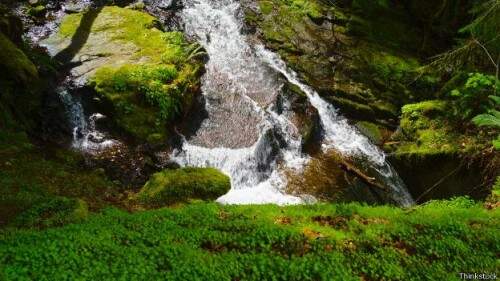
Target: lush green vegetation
x=419 y=78
x=211 y=242
x=174 y=186
x=34 y=184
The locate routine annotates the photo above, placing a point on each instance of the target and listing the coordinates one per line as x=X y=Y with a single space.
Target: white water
x=239 y=90
x=341 y=136
x=86 y=137
x=240 y=73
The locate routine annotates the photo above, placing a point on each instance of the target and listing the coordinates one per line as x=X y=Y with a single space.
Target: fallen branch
x=348 y=167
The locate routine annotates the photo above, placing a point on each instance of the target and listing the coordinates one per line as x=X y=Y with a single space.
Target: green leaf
x=496 y=99
x=491 y=119
x=496 y=143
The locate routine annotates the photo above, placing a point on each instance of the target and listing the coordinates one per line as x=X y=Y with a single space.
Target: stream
x=248 y=133
x=241 y=87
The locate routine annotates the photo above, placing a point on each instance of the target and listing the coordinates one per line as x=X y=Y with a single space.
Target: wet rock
x=75 y=6
x=362 y=74
x=325 y=178
x=168 y=4
x=306 y=118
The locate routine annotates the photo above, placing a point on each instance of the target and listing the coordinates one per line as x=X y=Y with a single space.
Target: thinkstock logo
x=477 y=276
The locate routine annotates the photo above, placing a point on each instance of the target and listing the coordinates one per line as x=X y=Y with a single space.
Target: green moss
x=127 y=26
x=372 y=131
x=425 y=108
x=131 y=87
x=15 y=63
x=302 y=7
x=351 y=108
x=153 y=84
x=266 y=7
x=37 y=11
x=172 y=186
x=217 y=242
x=425 y=129
x=28 y=180
x=56 y=211
x=390 y=67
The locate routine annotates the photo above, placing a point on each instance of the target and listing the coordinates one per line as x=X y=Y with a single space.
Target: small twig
x=438 y=183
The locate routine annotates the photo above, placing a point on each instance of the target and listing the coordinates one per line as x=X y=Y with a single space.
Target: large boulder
x=146 y=77
x=173 y=186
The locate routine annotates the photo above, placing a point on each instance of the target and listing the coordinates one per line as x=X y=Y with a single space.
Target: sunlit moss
x=152 y=85
x=173 y=186
x=266 y=242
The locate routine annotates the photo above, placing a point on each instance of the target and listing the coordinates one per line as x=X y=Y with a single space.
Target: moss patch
x=172 y=186
x=149 y=77
x=425 y=129
x=33 y=184
x=15 y=64
x=372 y=131
x=309 y=242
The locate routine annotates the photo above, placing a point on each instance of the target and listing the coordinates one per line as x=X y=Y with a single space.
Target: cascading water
x=86 y=137
x=240 y=135
x=342 y=137
x=243 y=136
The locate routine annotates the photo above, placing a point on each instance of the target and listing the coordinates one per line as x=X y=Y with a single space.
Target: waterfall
x=243 y=135
x=343 y=137
x=86 y=137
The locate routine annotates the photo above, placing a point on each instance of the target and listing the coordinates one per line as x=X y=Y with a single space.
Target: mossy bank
x=212 y=242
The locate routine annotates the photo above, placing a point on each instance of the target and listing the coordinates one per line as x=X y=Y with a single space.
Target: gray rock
x=75 y=7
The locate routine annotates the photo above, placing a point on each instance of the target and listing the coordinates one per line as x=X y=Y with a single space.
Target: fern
x=491 y=119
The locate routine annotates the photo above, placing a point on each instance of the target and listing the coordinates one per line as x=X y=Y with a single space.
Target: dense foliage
x=211 y=242
x=63 y=218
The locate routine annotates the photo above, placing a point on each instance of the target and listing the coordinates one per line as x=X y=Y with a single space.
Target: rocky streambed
x=256 y=89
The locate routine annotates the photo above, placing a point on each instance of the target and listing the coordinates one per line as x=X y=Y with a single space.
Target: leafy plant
x=474 y=96
x=490 y=119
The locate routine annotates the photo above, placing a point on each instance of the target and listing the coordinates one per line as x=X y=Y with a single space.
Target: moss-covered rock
x=146 y=76
x=364 y=74
x=371 y=130
x=173 y=186
x=425 y=130
x=15 y=64
x=19 y=79
x=37 y=11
